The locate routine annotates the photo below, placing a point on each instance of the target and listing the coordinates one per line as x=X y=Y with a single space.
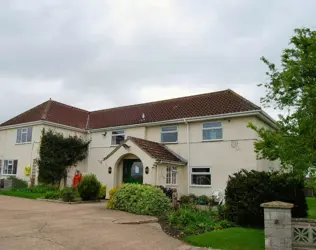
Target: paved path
x=31 y=224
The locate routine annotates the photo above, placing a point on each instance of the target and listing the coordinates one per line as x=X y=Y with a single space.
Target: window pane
x=212 y=134
x=118 y=132
x=15 y=166
x=201 y=170
x=169 y=128
x=117 y=140
x=29 y=134
x=10 y=168
x=201 y=179
x=169 y=137
x=212 y=125
x=18 y=136
x=5 y=167
x=24 y=137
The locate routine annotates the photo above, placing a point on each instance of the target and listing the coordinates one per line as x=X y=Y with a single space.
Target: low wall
x=282 y=232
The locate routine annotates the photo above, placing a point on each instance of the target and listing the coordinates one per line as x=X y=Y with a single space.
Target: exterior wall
x=225 y=157
x=24 y=153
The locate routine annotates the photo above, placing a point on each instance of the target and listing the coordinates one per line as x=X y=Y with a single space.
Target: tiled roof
x=215 y=103
x=156 y=150
x=53 y=111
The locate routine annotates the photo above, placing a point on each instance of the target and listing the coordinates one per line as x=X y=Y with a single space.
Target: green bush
x=141 y=199
x=102 y=193
x=112 y=193
x=54 y=195
x=68 y=194
x=89 y=187
x=18 y=183
x=246 y=190
x=193 y=221
x=188 y=199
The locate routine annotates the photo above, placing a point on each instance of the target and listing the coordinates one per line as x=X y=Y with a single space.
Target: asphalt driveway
x=31 y=224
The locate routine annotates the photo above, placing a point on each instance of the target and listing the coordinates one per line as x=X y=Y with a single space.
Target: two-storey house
x=190 y=143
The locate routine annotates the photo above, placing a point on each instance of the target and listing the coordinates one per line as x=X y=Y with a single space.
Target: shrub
x=246 y=190
x=18 y=183
x=89 y=187
x=68 y=194
x=203 y=200
x=102 y=193
x=193 y=221
x=167 y=191
x=141 y=199
x=52 y=195
x=112 y=192
x=189 y=199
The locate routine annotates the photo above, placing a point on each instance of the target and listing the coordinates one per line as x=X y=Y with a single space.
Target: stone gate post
x=277 y=225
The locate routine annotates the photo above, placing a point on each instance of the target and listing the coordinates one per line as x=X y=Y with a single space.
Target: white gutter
x=188 y=146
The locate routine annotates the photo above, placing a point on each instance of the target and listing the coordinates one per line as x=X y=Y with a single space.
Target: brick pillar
x=278 y=225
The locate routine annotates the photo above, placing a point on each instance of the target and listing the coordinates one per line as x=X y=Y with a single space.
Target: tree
x=292 y=89
x=57 y=154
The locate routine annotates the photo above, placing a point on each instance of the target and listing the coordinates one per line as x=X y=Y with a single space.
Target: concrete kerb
x=70 y=202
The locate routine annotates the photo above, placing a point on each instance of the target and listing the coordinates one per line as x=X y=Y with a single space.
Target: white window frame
x=171 y=175
x=115 y=135
x=24 y=131
x=200 y=173
x=212 y=128
x=12 y=164
x=169 y=132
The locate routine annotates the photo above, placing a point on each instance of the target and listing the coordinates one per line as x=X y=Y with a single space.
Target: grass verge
x=311 y=202
x=235 y=238
x=28 y=195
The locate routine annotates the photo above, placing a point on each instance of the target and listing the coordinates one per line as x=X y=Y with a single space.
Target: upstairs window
x=171 y=175
x=10 y=167
x=169 y=134
x=212 y=131
x=24 y=135
x=118 y=136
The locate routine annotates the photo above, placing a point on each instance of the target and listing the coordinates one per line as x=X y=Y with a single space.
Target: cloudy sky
x=97 y=54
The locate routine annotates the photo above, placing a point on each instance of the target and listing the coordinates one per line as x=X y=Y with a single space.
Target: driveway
x=31 y=224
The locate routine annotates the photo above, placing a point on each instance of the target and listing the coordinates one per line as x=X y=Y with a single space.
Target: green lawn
x=22 y=194
x=311 y=202
x=235 y=238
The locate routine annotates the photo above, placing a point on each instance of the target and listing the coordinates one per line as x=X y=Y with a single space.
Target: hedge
x=246 y=190
x=140 y=199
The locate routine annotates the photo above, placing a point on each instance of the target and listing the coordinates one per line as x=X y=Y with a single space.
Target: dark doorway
x=132 y=171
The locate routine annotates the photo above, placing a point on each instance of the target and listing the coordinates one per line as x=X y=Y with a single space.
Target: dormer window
x=24 y=135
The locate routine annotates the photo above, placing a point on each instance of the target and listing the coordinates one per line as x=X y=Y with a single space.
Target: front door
x=132 y=171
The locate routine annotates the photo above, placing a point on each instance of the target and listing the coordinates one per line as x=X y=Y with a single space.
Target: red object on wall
x=77 y=179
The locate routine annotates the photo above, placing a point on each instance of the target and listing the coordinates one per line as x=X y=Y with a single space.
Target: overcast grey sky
x=98 y=54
